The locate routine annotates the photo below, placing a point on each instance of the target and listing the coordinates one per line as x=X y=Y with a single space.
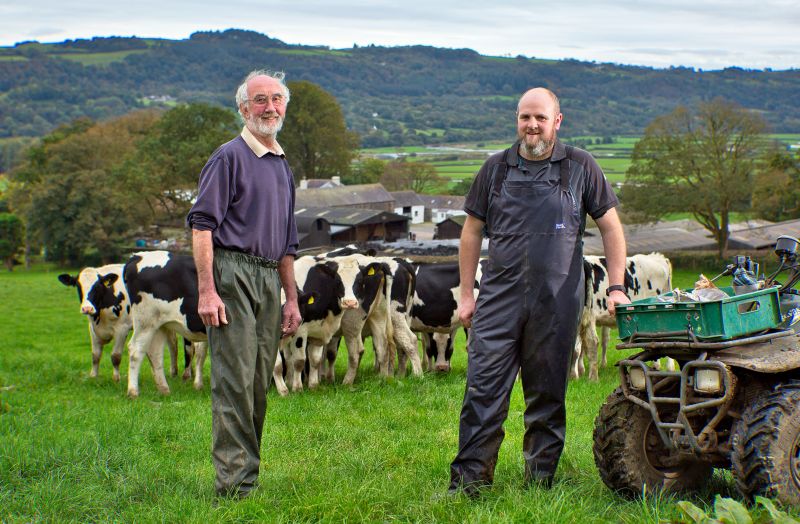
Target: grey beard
x=264 y=129
x=539 y=149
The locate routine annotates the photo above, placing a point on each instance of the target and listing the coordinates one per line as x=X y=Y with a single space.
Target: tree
x=417 y=176
x=314 y=136
x=777 y=189
x=463 y=187
x=69 y=192
x=167 y=162
x=11 y=238
x=702 y=161
x=367 y=171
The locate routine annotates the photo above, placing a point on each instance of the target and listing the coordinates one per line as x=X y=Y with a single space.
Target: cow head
x=363 y=279
x=323 y=292
x=96 y=290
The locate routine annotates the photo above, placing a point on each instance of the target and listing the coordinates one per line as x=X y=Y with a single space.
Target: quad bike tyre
x=630 y=455
x=766 y=446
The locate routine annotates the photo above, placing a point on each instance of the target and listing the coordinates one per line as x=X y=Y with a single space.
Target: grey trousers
x=242 y=358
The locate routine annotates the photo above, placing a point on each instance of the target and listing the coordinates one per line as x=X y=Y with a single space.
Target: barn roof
x=348 y=216
x=358 y=194
x=406 y=198
x=444 y=201
x=457 y=219
x=763 y=237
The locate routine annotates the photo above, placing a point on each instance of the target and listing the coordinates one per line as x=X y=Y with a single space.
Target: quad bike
x=733 y=403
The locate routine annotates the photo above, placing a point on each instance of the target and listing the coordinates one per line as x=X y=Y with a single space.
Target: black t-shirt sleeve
x=598 y=194
x=477 y=202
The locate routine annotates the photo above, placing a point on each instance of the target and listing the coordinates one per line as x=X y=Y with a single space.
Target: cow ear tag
x=311 y=300
x=108 y=283
x=371 y=271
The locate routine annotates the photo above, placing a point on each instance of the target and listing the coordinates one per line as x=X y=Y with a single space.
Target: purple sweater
x=247 y=201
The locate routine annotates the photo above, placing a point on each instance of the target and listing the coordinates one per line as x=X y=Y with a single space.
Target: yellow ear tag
x=310 y=300
x=371 y=271
x=108 y=284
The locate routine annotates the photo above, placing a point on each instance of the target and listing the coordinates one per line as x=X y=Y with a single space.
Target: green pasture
x=75 y=449
x=94 y=59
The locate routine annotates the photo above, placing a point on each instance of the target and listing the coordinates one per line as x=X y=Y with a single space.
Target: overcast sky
x=706 y=34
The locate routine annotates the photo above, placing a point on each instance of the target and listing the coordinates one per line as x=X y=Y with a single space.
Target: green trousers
x=242 y=358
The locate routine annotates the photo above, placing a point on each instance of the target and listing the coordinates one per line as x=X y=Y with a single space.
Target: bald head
x=538 y=94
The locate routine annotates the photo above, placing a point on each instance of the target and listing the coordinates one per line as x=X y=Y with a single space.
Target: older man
x=244 y=241
x=532 y=200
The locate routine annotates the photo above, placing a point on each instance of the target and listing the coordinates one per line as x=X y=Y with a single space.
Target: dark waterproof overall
x=527 y=315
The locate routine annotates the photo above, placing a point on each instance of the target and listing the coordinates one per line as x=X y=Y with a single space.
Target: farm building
x=312 y=231
x=357 y=225
x=320 y=183
x=409 y=204
x=450 y=227
x=360 y=196
x=440 y=207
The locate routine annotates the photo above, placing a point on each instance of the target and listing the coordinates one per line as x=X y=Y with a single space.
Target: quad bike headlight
x=636 y=378
x=707 y=381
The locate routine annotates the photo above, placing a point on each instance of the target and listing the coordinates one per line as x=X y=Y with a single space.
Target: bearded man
x=244 y=240
x=532 y=200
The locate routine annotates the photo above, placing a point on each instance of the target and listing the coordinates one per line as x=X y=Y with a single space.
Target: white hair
x=241 y=92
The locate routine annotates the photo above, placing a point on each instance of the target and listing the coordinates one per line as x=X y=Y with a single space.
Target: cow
x=367 y=285
x=163 y=300
x=435 y=310
x=401 y=296
x=645 y=276
x=104 y=300
x=322 y=303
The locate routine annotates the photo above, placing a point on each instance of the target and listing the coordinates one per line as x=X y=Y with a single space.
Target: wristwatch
x=617 y=287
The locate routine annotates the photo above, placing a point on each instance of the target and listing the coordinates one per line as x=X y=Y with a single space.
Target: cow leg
x=576 y=367
x=297 y=362
x=331 y=352
x=605 y=336
x=380 y=343
x=137 y=347
x=315 y=350
x=97 y=352
x=156 y=357
x=188 y=354
x=590 y=343
x=355 y=348
x=428 y=354
x=116 y=353
x=200 y=352
x=442 y=342
x=172 y=344
x=406 y=340
x=277 y=375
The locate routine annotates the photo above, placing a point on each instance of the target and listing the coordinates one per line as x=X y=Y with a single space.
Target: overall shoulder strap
x=564 y=168
x=496 y=179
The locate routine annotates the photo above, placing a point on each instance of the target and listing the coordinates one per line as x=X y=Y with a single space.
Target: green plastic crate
x=725 y=319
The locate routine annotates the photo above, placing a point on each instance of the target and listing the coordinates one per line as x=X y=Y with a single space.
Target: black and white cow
x=163 y=293
x=435 y=310
x=366 y=285
x=104 y=300
x=321 y=300
x=401 y=280
x=645 y=276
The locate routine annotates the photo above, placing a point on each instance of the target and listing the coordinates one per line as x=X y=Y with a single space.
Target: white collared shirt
x=258 y=148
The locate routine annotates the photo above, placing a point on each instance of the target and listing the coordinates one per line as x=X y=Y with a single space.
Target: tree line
x=389 y=95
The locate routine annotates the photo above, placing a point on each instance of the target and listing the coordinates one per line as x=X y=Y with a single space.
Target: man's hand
x=211 y=309
x=465 y=311
x=614 y=298
x=291 y=318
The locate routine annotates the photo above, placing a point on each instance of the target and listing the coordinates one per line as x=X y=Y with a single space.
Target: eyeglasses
x=261 y=100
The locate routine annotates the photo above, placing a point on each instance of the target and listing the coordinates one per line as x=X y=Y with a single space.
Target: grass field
x=75 y=449
x=614 y=158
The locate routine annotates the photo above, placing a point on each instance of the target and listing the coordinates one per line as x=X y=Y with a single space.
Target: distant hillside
x=390 y=95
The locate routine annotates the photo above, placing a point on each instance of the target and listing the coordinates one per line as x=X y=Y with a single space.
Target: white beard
x=263 y=128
